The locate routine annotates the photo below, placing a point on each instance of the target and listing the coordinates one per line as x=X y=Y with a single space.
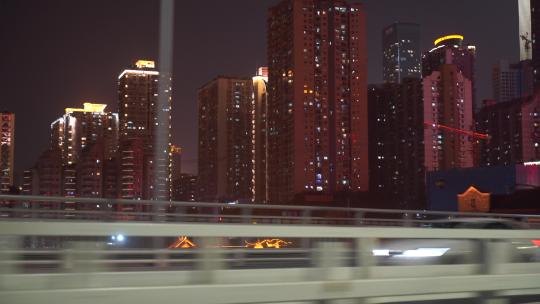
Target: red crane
x=458 y=131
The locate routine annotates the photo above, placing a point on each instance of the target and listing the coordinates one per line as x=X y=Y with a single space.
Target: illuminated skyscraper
x=260 y=109
x=401 y=52
x=225 y=139
x=138 y=112
x=7 y=150
x=317 y=103
x=451 y=50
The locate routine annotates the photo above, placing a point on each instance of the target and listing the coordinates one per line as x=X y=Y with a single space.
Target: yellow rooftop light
x=460 y=37
x=88 y=107
x=149 y=64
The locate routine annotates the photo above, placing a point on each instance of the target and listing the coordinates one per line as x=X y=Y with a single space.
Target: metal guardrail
x=47 y=207
x=332 y=263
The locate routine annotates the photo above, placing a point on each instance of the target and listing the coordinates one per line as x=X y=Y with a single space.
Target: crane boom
x=458 y=131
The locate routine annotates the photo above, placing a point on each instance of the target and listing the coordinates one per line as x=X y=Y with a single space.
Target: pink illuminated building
x=448 y=104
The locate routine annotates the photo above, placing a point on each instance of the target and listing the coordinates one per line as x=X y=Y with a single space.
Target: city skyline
x=100 y=87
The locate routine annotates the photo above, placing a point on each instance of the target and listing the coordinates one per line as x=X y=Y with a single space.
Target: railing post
x=493 y=253
x=364 y=257
x=407 y=220
x=8 y=244
x=208 y=261
x=306 y=217
x=246 y=215
x=359 y=218
x=329 y=256
x=83 y=257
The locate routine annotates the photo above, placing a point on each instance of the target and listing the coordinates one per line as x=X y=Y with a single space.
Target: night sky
x=59 y=53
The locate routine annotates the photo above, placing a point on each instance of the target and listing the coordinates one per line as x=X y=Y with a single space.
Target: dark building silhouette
x=47 y=174
x=185 y=188
x=225 y=139
x=396 y=127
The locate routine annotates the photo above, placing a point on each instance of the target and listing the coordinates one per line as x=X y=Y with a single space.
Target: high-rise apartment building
x=7 y=150
x=396 y=125
x=138 y=114
x=317 y=103
x=511 y=81
x=80 y=127
x=448 y=115
x=401 y=52
x=514 y=131
x=225 y=139
x=259 y=141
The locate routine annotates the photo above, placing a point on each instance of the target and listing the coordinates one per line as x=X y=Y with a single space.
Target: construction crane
x=458 y=131
x=527 y=43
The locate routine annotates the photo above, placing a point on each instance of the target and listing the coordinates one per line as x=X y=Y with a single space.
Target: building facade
x=401 y=52
x=317 y=102
x=396 y=128
x=138 y=115
x=225 y=139
x=90 y=173
x=47 y=176
x=448 y=116
x=7 y=150
x=514 y=131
